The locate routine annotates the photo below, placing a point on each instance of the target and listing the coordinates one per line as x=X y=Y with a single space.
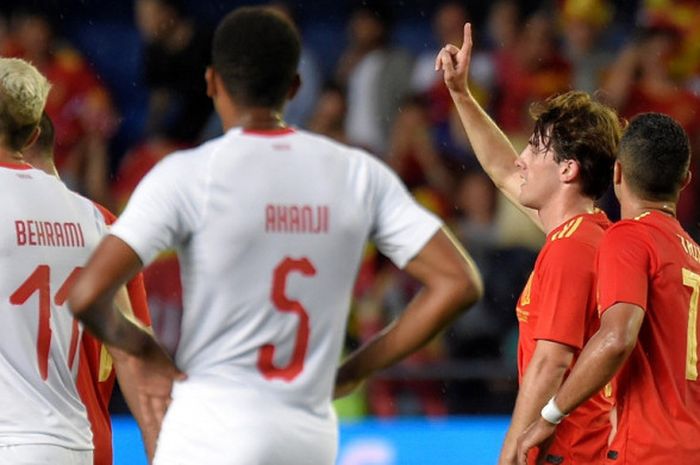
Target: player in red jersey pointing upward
x=649 y=288
x=556 y=180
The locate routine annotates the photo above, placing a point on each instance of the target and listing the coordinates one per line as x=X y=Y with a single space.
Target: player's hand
x=150 y=379
x=156 y=375
x=539 y=433
x=508 y=457
x=454 y=62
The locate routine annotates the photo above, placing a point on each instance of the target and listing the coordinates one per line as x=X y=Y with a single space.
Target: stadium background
x=452 y=399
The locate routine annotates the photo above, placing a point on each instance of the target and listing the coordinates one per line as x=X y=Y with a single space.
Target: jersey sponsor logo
x=49 y=233
x=297 y=219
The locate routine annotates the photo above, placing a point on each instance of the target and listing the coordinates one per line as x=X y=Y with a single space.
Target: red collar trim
x=15 y=166
x=269 y=132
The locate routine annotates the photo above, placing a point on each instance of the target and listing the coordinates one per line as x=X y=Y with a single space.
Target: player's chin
x=527 y=200
x=523 y=198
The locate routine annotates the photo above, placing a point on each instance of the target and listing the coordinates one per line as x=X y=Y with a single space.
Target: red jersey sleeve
x=567 y=281
x=624 y=266
x=137 y=296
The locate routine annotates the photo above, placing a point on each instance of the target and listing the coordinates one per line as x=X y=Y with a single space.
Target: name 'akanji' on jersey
x=304 y=219
x=49 y=233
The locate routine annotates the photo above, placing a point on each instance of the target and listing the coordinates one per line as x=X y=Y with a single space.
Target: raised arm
x=492 y=148
x=451 y=283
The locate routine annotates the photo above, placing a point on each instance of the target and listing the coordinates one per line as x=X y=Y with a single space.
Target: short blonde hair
x=23 y=93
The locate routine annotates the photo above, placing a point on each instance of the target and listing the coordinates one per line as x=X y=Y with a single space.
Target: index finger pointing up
x=467 y=42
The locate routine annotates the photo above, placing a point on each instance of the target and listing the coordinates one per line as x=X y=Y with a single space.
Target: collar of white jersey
x=276 y=132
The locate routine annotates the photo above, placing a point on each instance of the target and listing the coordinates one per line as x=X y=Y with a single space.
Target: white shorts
x=43 y=454
x=221 y=427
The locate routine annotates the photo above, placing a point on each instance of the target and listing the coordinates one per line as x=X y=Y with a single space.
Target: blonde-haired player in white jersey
x=270 y=224
x=46 y=235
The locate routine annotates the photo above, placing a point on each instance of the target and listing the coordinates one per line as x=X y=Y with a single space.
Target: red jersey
x=651 y=262
x=558 y=304
x=95 y=374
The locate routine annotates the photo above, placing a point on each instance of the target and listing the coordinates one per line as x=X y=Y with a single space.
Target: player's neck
x=10 y=156
x=559 y=210
x=46 y=166
x=632 y=208
x=254 y=119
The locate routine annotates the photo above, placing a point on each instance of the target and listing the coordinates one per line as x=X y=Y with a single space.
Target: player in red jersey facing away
x=47 y=236
x=648 y=285
x=96 y=373
x=270 y=224
x=556 y=180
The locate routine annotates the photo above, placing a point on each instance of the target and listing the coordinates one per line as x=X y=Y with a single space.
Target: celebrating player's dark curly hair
x=583 y=129
x=256 y=52
x=655 y=156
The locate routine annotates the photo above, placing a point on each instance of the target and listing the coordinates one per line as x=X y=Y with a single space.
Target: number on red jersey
x=692 y=280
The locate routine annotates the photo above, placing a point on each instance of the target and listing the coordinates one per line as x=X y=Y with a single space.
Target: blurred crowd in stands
x=127 y=93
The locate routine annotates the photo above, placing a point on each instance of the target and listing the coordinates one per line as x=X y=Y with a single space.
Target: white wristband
x=551 y=412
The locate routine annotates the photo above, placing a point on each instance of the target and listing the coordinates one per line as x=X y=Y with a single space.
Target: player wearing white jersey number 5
x=270 y=224
x=46 y=235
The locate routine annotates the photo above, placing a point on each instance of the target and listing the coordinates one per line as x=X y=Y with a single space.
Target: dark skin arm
x=451 y=283
x=145 y=372
x=91 y=299
x=600 y=359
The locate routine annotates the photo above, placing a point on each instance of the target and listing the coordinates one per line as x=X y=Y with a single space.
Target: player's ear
x=294 y=88
x=569 y=170
x=32 y=138
x=211 y=82
x=617 y=173
x=686 y=181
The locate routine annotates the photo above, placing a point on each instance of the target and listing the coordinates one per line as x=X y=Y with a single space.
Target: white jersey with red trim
x=270 y=229
x=46 y=234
